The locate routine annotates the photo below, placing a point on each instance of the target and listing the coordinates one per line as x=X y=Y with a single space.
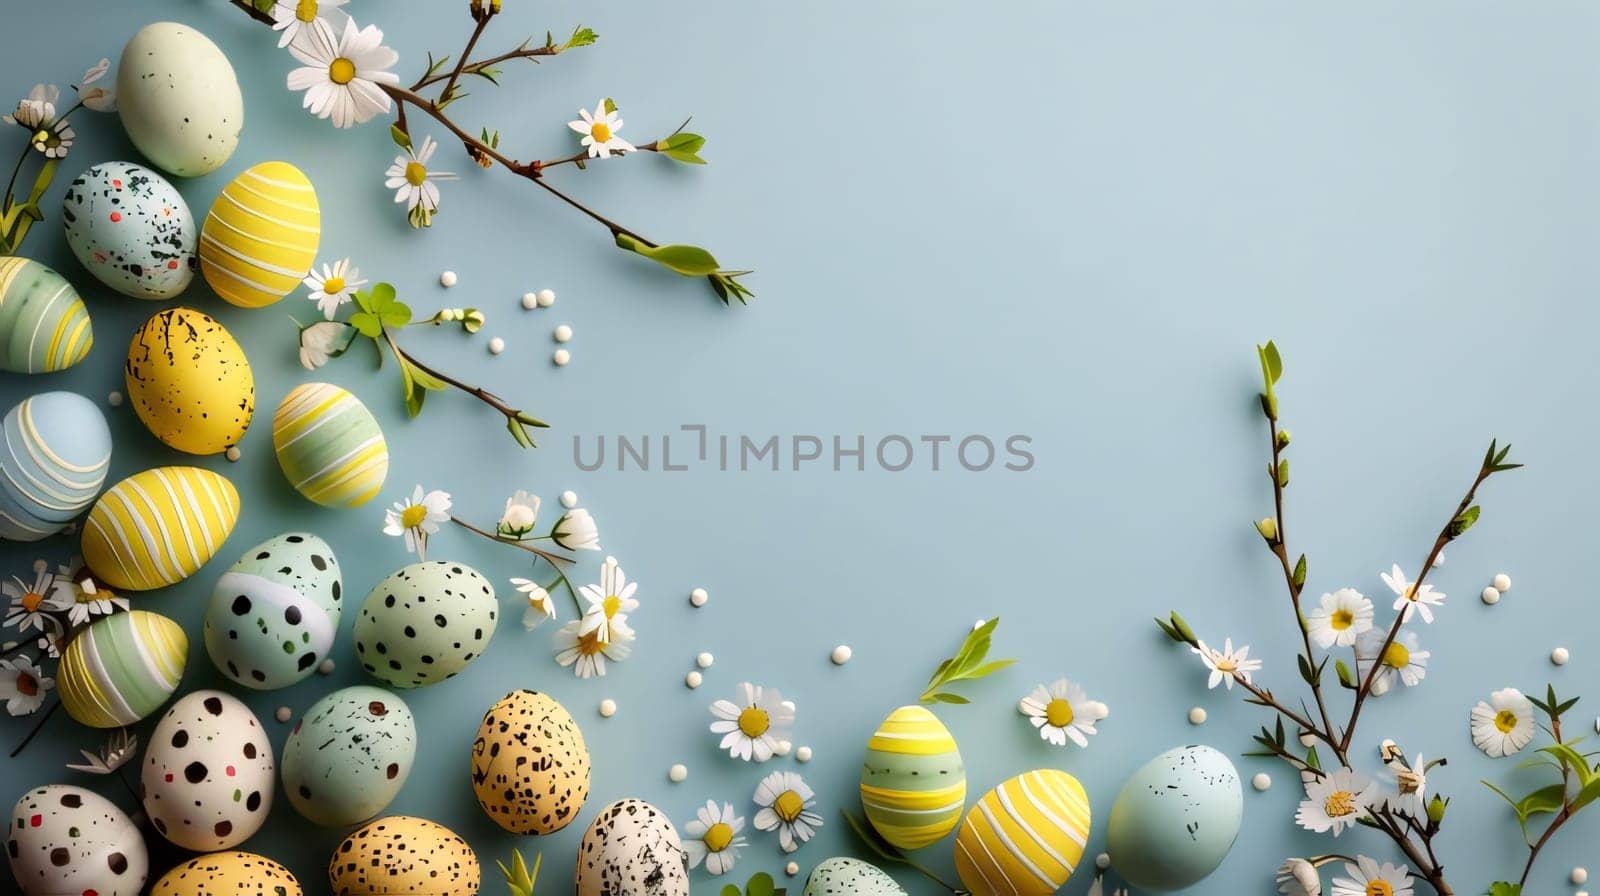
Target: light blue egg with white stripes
x=53 y=462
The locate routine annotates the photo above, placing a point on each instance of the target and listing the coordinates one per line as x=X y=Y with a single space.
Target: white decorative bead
x=1491 y=595
x=447 y=278
x=678 y=773
x=1560 y=656
x=1102 y=861
x=1261 y=781
x=546 y=298
x=608 y=708
x=497 y=345
x=782 y=748
x=114 y=399
x=326 y=667
x=693 y=679
x=841 y=654
x=698 y=597
x=233 y=454
x=1580 y=875
x=704 y=660
x=563 y=333
x=1502 y=583
x=530 y=300
x=569 y=499
x=802 y=754
x=792 y=869
x=561 y=357
x=283 y=714
x=1197 y=716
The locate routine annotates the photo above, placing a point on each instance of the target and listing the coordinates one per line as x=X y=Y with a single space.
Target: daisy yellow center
x=31 y=601
x=1505 y=720
x=1058 y=713
x=27 y=685
x=1342 y=619
x=306 y=11
x=788 y=806
x=341 y=71
x=1397 y=657
x=413 y=516
x=1339 y=804
x=1380 y=888
x=416 y=173
x=333 y=285
x=753 y=722
x=1226 y=664
x=718 y=836
x=611 y=605
x=1410 y=593
x=600 y=131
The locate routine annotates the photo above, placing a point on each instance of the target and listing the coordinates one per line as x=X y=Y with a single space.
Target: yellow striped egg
x=121 y=668
x=261 y=235
x=190 y=382
x=158 y=527
x=913 y=783
x=1024 y=837
x=329 y=446
x=43 y=324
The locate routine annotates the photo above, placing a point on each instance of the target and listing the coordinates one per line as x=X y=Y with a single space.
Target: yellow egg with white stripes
x=329 y=446
x=158 y=527
x=1025 y=837
x=261 y=235
x=913 y=783
x=121 y=668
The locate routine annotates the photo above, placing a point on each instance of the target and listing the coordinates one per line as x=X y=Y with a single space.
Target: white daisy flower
x=1403 y=661
x=413 y=182
x=610 y=602
x=37 y=108
x=522 y=511
x=98 y=99
x=294 y=17
x=1504 y=725
x=786 y=803
x=33 y=601
x=1299 y=877
x=333 y=287
x=1411 y=785
x=121 y=748
x=576 y=531
x=323 y=340
x=586 y=654
x=1227 y=663
x=417 y=519
x=23 y=686
x=52 y=643
x=1342 y=617
x=1368 y=877
x=1063 y=711
x=715 y=838
x=54 y=139
x=540 y=606
x=1335 y=801
x=600 y=129
x=753 y=727
x=88 y=600
x=1409 y=598
x=342 y=71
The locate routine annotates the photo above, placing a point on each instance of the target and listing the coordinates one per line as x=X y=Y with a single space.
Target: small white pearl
x=114 y=399
x=678 y=773
x=693 y=679
x=569 y=499
x=792 y=869
x=326 y=667
x=608 y=708
x=561 y=357
x=546 y=298
x=1102 y=861
x=1261 y=781
x=698 y=597
x=1197 y=716
x=497 y=345
x=782 y=748
x=1307 y=739
x=1559 y=656
x=1502 y=583
x=704 y=660
x=283 y=714
x=447 y=278
x=563 y=333
x=1491 y=595
x=232 y=454
x=802 y=754
x=841 y=654
x=530 y=300
x=1580 y=875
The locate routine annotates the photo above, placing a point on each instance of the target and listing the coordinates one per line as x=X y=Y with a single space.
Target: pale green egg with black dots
x=842 y=876
x=425 y=623
x=274 y=614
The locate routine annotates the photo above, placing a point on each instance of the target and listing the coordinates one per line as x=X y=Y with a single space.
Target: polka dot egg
x=228 y=874
x=158 y=527
x=70 y=840
x=425 y=623
x=329 y=446
x=46 y=324
x=53 y=459
x=131 y=230
x=530 y=766
x=208 y=773
x=261 y=235
x=121 y=668
x=274 y=613
x=404 y=856
x=190 y=382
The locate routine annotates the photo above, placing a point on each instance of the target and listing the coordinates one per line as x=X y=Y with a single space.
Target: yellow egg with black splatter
x=530 y=765
x=404 y=856
x=261 y=235
x=190 y=382
x=228 y=874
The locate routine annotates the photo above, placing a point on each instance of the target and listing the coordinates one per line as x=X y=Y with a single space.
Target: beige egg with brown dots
x=404 y=856
x=530 y=765
x=227 y=874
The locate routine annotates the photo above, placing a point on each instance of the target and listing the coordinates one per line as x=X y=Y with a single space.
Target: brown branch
x=485 y=64
x=514 y=415
x=482 y=22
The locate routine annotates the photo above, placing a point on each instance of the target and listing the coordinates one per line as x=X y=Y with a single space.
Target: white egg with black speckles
x=632 y=848
x=425 y=623
x=349 y=755
x=131 y=230
x=67 y=840
x=179 y=99
x=842 y=876
x=274 y=613
x=208 y=773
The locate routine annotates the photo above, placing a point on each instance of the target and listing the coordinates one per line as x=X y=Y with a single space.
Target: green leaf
x=399 y=136
x=760 y=885
x=1586 y=794
x=682 y=147
x=1574 y=759
x=1544 y=801
x=730 y=890
x=1346 y=677
x=1299 y=576
x=946 y=697
x=426 y=380
x=1312 y=760
x=581 y=37
x=519 y=879
x=870 y=838
x=1271 y=364
x=1166 y=629
x=690 y=261
x=1464 y=521
x=368 y=325
x=611 y=105
x=1501 y=888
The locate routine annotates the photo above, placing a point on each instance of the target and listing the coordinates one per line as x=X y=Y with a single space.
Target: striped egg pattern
x=261 y=235
x=913 y=782
x=1024 y=837
x=158 y=527
x=329 y=446
x=53 y=461
x=121 y=668
x=44 y=326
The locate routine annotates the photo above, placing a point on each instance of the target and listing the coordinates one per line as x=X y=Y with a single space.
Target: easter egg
x=349 y=755
x=44 y=326
x=425 y=623
x=274 y=613
x=1175 y=819
x=208 y=773
x=67 y=840
x=631 y=847
x=228 y=874
x=530 y=766
x=261 y=235
x=913 y=783
x=329 y=446
x=121 y=668
x=178 y=99
x=1024 y=837
x=158 y=527
x=404 y=856
x=53 y=461
x=842 y=876
x=190 y=382
x=131 y=230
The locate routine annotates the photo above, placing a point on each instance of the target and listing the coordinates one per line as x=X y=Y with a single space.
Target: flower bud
x=1436 y=807
x=1268 y=527
x=1283 y=438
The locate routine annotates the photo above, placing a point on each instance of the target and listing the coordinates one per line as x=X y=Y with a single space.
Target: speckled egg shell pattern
x=261 y=235
x=329 y=446
x=530 y=765
x=131 y=230
x=913 y=782
x=425 y=623
x=67 y=840
x=121 y=668
x=1024 y=837
x=631 y=849
x=158 y=527
x=228 y=874
x=274 y=614
x=208 y=773
x=349 y=755
x=1176 y=818
x=54 y=458
x=842 y=876
x=179 y=99
x=44 y=326
x=189 y=382
x=404 y=856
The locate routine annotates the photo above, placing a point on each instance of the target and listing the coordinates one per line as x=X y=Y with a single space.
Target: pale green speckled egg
x=841 y=876
x=349 y=755
x=179 y=99
x=1176 y=819
x=425 y=623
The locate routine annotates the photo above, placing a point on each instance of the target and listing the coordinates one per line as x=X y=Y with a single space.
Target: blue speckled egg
x=131 y=230
x=843 y=876
x=1175 y=820
x=53 y=461
x=349 y=755
x=425 y=623
x=274 y=614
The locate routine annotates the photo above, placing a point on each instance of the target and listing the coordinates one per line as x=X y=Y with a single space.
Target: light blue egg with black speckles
x=131 y=229
x=1175 y=819
x=843 y=876
x=53 y=460
x=349 y=755
x=274 y=614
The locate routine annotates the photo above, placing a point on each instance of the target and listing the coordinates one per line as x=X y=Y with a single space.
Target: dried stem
x=555 y=560
x=513 y=416
x=37 y=727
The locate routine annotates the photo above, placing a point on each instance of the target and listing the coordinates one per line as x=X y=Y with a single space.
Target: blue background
x=1064 y=220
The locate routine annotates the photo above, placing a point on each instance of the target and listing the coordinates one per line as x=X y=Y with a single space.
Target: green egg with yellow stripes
x=44 y=326
x=913 y=782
